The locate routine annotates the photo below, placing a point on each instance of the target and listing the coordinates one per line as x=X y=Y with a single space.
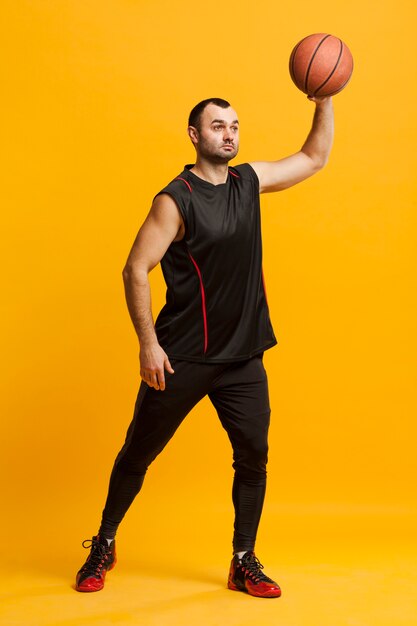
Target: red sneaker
x=101 y=559
x=246 y=575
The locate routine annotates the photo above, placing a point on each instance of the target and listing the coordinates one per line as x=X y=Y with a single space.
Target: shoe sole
x=234 y=587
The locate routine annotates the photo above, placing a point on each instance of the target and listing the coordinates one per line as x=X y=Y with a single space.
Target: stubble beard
x=215 y=155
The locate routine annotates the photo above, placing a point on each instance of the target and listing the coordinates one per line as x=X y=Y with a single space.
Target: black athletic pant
x=239 y=393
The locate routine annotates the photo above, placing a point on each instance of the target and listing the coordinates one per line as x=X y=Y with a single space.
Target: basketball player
x=209 y=338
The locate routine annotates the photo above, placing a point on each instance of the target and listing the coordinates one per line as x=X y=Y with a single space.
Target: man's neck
x=215 y=173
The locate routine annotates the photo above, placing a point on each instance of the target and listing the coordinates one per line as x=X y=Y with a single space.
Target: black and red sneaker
x=246 y=575
x=101 y=559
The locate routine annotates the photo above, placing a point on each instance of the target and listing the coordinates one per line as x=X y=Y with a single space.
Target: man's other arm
x=161 y=226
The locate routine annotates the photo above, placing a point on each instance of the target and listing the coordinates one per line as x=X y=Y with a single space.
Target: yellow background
x=96 y=95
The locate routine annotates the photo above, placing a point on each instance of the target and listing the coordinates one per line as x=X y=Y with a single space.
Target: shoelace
x=252 y=566
x=98 y=556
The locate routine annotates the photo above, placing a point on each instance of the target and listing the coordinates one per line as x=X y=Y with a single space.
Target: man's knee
x=133 y=467
x=250 y=460
x=136 y=462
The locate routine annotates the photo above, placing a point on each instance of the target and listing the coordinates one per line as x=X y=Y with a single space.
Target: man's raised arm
x=313 y=156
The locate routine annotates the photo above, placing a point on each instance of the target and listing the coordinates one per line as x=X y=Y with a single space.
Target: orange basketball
x=321 y=65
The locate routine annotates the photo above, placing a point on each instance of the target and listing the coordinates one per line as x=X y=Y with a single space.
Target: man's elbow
x=132 y=271
x=125 y=274
x=319 y=162
x=316 y=160
x=126 y=271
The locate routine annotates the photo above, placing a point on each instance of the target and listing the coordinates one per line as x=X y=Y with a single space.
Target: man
x=209 y=338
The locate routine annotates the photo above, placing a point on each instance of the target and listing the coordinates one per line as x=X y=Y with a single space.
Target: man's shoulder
x=180 y=183
x=245 y=171
x=179 y=189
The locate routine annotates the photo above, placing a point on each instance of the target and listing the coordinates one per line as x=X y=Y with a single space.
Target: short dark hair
x=195 y=115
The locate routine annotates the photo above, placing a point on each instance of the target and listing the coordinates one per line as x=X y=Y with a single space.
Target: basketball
x=321 y=65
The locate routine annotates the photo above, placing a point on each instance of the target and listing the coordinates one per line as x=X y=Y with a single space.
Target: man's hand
x=318 y=99
x=153 y=363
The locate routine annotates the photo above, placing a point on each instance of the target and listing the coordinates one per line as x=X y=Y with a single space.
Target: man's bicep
x=278 y=175
x=155 y=235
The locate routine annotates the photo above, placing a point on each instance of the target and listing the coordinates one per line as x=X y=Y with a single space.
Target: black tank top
x=216 y=306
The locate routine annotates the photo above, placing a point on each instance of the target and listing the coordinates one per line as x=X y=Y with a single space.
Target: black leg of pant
x=157 y=416
x=242 y=403
x=248 y=498
x=123 y=489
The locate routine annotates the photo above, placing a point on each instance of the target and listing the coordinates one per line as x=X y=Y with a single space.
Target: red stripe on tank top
x=203 y=302
x=233 y=174
x=184 y=181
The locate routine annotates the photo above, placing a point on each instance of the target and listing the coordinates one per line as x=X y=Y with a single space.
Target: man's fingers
x=150 y=378
x=154 y=380
x=161 y=379
x=156 y=377
x=168 y=366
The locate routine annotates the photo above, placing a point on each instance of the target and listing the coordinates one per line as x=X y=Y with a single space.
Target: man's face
x=217 y=139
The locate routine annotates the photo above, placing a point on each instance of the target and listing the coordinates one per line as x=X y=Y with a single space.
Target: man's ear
x=193 y=134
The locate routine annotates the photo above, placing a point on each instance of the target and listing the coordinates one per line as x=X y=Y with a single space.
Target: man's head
x=213 y=128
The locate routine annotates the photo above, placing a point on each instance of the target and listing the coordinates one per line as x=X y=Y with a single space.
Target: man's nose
x=228 y=134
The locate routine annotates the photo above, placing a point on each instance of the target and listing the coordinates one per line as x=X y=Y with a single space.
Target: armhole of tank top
x=180 y=209
x=247 y=171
